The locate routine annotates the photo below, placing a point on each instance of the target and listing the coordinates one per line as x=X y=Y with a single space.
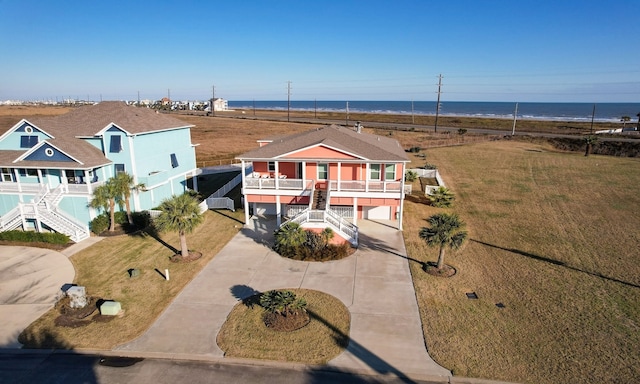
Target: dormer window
x=28 y=141
x=115 y=145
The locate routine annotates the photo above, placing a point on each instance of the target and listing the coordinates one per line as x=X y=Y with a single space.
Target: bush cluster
x=101 y=223
x=294 y=242
x=34 y=237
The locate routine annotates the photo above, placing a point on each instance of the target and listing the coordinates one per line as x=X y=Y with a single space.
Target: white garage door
x=265 y=209
x=380 y=213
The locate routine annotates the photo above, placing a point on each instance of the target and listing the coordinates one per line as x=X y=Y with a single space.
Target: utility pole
x=413 y=120
x=346 y=119
x=435 y=126
x=288 y=100
x=593 y=115
x=315 y=109
x=213 y=100
x=515 y=117
x=254 y=107
x=138 y=98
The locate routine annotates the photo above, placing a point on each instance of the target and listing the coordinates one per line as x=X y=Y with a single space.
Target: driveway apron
x=374 y=283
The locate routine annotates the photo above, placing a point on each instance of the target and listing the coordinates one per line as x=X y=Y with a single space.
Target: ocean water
x=604 y=112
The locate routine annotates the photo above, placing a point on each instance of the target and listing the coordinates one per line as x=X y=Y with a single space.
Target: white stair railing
x=327 y=216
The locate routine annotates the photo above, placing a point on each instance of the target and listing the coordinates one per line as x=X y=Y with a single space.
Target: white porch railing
x=270 y=183
x=220 y=203
x=227 y=187
x=365 y=186
x=327 y=216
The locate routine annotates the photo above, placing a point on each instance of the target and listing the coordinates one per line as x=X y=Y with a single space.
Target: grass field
x=553 y=236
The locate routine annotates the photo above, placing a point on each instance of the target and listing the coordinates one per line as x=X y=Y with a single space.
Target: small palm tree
x=624 y=120
x=289 y=237
x=589 y=140
x=446 y=230
x=441 y=197
x=125 y=185
x=105 y=197
x=179 y=214
x=327 y=234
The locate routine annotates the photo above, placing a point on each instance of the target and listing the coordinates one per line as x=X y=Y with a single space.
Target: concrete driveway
x=30 y=280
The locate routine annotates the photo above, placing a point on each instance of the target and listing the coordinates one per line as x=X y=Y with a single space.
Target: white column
x=277 y=177
x=355 y=211
x=194 y=177
x=246 y=211
x=339 y=175
x=401 y=197
x=366 y=177
x=278 y=211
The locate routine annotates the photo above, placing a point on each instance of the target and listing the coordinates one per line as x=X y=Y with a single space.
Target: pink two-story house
x=330 y=176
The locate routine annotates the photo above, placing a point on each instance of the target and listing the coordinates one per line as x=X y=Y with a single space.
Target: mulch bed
x=446 y=271
x=79 y=317
x=193 y=256
x=288 y=323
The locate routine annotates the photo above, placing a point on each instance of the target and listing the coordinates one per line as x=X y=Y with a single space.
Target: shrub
x=441 y=197
x=35 y=237
x=99 y=224
x=121 y=217
x=282 y=302
x=429 y=166
x=410 y=176
x=414 y=149
x=462 y=131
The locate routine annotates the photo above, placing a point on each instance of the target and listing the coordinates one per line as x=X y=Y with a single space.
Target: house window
x=174 y=161
x=115 y=145
x=374 y=171
x=323 y=171
x=119 y=168
x=271 y=166
x=28 y=141
x=29 y=172
x=390 y=172
x=7 y=175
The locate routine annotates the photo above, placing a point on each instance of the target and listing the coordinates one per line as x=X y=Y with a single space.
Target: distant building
x=219 y=105
x=49 y=167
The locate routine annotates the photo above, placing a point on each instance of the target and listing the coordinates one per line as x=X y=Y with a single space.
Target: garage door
x=265 y=209
x=380 y=213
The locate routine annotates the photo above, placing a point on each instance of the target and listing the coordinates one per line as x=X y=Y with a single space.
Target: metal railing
x=365 y=186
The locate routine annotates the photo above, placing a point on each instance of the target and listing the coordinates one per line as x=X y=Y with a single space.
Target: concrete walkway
x=30 y=282
x=374 y=283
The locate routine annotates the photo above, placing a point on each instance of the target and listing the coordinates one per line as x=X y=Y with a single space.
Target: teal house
x=49 y=167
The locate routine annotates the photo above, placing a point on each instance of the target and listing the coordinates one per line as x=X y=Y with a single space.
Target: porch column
x=366 y=177
x=339 y=175
x=401 y=197
x=304 y=174
x=87 y=181
x=276 y=174
x=278 y=211
x=355 y=211
x=246 y=210
x=194 y=177
x=42 y=182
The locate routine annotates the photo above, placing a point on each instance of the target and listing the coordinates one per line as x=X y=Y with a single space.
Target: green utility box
x=110 y=308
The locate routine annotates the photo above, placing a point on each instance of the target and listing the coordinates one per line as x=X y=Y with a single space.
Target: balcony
x=365 y=186
x=278 y=184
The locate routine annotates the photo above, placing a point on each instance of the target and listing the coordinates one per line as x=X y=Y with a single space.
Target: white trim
x=20 y=123
x=40 y=144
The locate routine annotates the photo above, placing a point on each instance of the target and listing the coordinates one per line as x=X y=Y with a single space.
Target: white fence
x=430 y=173
x=220 y=203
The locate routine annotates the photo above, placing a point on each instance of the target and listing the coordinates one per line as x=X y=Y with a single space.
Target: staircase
x=319 y=199
x=327 y=217
x=43 y=208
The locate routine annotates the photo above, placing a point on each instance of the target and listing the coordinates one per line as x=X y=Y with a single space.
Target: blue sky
x=572 y=50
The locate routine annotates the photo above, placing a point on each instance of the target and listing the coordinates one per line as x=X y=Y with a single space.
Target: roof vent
x=358 y=127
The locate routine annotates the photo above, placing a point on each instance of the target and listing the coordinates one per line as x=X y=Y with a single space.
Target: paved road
x=70 y=368
x=370 y=124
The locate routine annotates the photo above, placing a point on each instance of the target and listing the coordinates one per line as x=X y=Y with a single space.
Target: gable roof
x=66 y=132
x=92 y=120
x=362 y=145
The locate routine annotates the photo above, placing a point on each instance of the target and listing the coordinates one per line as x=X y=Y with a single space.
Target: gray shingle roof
x=364 y=145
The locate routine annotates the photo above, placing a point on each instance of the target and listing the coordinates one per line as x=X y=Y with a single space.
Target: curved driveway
x=30 y=280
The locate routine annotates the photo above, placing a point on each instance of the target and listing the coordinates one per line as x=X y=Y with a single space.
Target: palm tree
x=624 y=120
x=105 y=197
x=289 y=237
x=125 y=185
x=179 y=214
x=589 y=140
x=446 y=230
x=442 y=197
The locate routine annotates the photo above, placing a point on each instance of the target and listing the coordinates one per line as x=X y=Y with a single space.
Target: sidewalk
x=374 y=283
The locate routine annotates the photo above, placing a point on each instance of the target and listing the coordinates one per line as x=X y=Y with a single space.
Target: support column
x=401 y=196
x=194 y=177
x=339 y=175
x=355 y=211
x=246 y=211
x=278 y=211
